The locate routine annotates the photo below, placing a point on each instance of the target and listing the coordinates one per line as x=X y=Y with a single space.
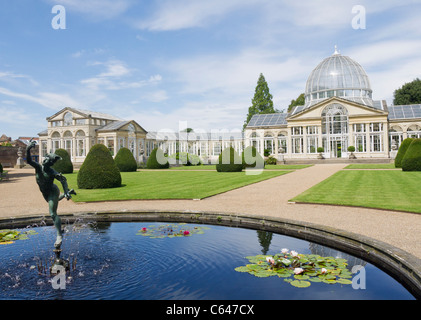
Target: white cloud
x=49 y=100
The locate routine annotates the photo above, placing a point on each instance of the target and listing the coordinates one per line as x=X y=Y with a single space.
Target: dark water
x=112 y=262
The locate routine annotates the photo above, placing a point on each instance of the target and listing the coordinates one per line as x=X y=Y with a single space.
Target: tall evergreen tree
x=262 y=100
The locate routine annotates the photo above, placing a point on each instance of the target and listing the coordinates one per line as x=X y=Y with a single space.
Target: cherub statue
x=45 y=176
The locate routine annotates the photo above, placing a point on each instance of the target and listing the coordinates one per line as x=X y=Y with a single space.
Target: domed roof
x=338 y=76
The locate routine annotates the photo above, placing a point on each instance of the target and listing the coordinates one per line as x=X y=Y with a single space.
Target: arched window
x=80 y=144
x=68 y=119
x=55 y=138
x=335 y=119
x=68 y=142
x=282 y=143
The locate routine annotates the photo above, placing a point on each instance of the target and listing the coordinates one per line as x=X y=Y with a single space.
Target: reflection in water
x=329 y=252
x=264 y=238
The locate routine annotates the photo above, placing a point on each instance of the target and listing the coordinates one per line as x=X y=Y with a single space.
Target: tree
x=125 y=160
x=262 y=101
x=300 y=101
x=99 y=170
x=410 y=93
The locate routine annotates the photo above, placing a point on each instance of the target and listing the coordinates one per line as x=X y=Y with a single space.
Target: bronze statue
x=45 y=176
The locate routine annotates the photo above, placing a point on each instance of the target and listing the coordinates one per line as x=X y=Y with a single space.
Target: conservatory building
x=339 y=112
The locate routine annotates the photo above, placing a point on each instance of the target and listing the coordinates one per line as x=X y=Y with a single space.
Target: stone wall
x=9 y=155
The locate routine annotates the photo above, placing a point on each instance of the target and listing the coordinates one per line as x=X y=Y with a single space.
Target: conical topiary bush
x=252 y=159
x=412 y=158
x=98 y=171
x=401 y=152
x=229 y=161
x=157 y=160
x=125 y=160
x=64 y=165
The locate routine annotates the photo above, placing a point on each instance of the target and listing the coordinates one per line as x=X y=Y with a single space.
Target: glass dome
x=338 y=76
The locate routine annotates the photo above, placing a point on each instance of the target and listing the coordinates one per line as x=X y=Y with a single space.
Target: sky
x=171 y=64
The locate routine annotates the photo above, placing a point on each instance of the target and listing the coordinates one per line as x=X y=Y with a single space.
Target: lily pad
x=300 y=284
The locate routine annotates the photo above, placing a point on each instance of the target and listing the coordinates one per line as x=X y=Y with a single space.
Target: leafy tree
x=65 y=164
x=99 y=170
x=410 y=93
x=262 y=101
x=300 y=101
x=125 y=160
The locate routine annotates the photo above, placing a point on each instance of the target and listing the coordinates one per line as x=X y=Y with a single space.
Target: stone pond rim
x=401 y=265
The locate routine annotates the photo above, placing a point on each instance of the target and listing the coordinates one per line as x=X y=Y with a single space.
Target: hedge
x=64 y=165
x=125 y=160
x=99 y=170
x=186 y=159
x=252 y=159
x=153 y=163
x=412 y=158
x=229 y=161
x=401 y=152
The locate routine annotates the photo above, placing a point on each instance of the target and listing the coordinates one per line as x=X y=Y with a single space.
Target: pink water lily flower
x=186 y=233
x=144 y=229
x=294 y=254
x=284 y=250
x=270 y=260
x=298 y=270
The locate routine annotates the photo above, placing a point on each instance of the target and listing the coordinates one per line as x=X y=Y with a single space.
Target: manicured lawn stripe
x=170 y=185
x=371 y=166
x=384 y=189
x=267 y=167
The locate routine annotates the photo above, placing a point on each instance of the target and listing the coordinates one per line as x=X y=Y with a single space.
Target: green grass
x=169 y=185
x=384 y=189
x=212 y=167
x=371 y=166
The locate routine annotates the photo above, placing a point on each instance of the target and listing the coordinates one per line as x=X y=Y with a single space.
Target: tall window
x=68 y=142
x=312 y=139
x=376 y=137
x=297 y=140
x=282 y=143
x=55 y=140
x=269 y=144
x=395 y=137
x=360 y=138
x=80 y=143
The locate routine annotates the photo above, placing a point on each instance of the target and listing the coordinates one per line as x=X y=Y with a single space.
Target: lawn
x=371 y=166
x=168 y=184
x=385 y=189
x=212 y=167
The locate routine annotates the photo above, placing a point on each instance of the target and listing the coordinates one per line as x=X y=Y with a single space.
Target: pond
x=173 y=261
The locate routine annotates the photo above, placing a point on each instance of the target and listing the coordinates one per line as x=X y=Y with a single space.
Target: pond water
x=116 y=261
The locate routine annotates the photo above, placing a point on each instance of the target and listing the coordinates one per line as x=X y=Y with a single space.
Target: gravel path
x=20 y=197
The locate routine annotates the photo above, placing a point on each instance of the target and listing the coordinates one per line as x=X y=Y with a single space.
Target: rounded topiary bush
x=412 y=158
x=99 y=170
x=229 y=161
x=401 y=152
x=157 y=160
x=252 y=159
x=64 y=165
x=125 y=160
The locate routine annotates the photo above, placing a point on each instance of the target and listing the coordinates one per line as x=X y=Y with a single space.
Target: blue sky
x=193 y=62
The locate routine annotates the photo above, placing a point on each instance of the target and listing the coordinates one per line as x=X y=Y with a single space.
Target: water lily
x=298 y=270
x=323 y=270
x=294 y=253
x=284 y=250
x=186 y=233
x=270 y=260
x=144 y=229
